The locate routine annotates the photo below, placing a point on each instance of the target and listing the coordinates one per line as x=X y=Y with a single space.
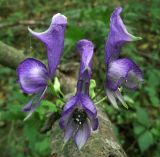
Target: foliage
x=137 y=128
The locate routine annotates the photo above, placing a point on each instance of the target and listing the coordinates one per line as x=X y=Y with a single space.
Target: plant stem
x=98 y=102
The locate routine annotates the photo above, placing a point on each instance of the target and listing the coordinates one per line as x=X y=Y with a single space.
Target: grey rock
x=102 y=142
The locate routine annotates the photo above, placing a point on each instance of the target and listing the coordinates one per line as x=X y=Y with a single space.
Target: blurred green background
x=138 y=128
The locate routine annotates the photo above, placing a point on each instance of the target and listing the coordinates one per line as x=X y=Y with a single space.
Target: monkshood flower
x=79 y=114
x=120 y=72
x=33 y=76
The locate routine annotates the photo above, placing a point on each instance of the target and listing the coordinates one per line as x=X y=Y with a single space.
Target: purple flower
x=120 y=72
x=33 y=75
x=79 y=115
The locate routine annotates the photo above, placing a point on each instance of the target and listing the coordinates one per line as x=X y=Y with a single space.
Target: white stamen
x=77 y=119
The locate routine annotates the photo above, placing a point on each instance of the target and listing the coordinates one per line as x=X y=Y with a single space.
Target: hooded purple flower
x=120 y=72
x=79 y=115
x=33 y=75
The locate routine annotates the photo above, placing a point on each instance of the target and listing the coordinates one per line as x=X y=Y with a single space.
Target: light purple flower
x=79 y=115
x=33 y=75
x=120 y=72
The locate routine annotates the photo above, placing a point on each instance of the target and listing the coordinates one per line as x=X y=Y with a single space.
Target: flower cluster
x=79 y=115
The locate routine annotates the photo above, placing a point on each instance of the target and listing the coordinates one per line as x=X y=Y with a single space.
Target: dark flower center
x=79 y=116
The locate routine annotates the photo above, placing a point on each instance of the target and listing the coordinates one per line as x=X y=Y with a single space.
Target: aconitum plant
x=79 y=115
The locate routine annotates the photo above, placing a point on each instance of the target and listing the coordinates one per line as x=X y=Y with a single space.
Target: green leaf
x=142 y=116
x=153 y=86
x=42 y=146
x=158 y=151
x=145 y=141
x=30 y=131
x=138 y=129
x=45 y=106
x=14 y=108
x=48 y=105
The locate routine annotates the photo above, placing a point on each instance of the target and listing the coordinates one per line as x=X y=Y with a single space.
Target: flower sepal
x=113 y=96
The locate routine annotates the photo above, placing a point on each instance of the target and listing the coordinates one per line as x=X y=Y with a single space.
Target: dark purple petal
x=67 y=111
x=85 y=48
x=118 y=36
x=88 y=104
x=79 y=86
x=91 y=111
x=65 y=118
x=123 y=71
x=32 y=76
x=53 y=39
x=71 y=103
x=69 y=131
x=93 y=119
x=86 y=88
x=82 y=135
x=94 y=123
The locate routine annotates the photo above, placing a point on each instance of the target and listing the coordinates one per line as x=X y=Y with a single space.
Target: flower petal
x=65 y=118
x=82 y=135
x=32 y=108
x=32 y=75
x=120 y=98
x=70 y=103
x=85 y=48
x=123 y=71
x=69 y=131
x=111 y=97
x=133 y=80
x=68 y=110
x=94 y=123
x=88 y=104
x=53 y=39
x=118 y=36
